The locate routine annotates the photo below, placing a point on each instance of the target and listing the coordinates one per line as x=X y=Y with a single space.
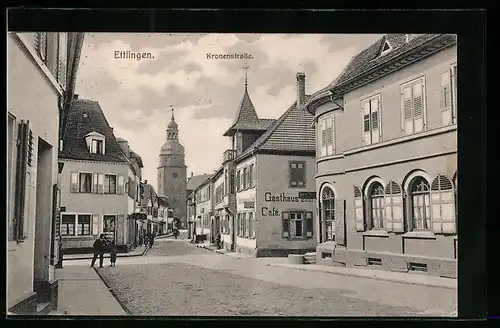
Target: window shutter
x=293 y=174
x=309 y=224
x=120 y=185
x=418 y=106
x=445 y=101
x=301 y=174
x=95 y=224
x=329 y=135
x=285 y=224
x=100 y=186
x=322 y=137
x=358 y=209
x=454 y=76
x=74 y=181
x=407 y=110
x=23 y=178
x=443 y=205
x=340 y=222
x=95 y=184
x=375 y=120
x=238 y=181
x=120 y=230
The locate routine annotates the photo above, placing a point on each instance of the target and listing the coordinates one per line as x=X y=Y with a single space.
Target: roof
x=196 y=180
x=84 y=117
x=246 y=117
x=370 y=58
x=290 y=132
x=137 y=158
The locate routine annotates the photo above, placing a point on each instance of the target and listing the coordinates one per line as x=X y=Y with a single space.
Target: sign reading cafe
x=303 y=197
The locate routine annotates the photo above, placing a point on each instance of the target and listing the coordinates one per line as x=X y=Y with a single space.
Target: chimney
x=145 y=181
x=301 y=89
x=124 y=146
x=191 y=174
x=75 y=97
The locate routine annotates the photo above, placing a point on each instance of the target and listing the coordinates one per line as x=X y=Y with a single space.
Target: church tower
x=172 y=181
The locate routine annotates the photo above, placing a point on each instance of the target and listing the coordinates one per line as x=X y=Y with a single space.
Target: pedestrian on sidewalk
x=99 y=245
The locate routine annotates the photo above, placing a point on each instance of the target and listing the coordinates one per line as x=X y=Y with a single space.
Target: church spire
x=246 y=67
x=172 y=108
x=172 y=127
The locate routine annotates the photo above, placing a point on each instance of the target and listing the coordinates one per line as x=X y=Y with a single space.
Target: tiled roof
x=290 y=132
x=84 y=117
x=137 y=158
x=267 y=122
x=369 y=58
x=196 y=180
x=246 y=117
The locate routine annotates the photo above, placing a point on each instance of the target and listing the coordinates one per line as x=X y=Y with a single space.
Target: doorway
x=42 y=188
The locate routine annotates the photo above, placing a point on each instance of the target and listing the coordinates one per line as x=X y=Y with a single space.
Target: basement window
x=326 y=255
x=417 y=267
x=374 y=261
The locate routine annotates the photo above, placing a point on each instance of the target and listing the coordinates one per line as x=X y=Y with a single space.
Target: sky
x=136 y=95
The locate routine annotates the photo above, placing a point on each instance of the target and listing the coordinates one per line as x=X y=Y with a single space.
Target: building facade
x=172 y=179
x=386 y=133
x=203 y=208
x=274 y=184
x=43 y=66
x=93 y=196
x=193 y=183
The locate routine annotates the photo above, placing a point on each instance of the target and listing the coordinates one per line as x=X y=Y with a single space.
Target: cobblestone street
x=176 y=278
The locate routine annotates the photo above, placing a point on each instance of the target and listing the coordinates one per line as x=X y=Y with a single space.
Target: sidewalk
x=139 y=251
x=406 y=278
x=82 y=292
x=213 y=248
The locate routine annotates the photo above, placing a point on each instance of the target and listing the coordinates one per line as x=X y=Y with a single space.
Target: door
x=109 y=225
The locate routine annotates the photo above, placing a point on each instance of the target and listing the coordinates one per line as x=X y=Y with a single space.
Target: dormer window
x=95 y=143
x=97 y=147
x=385 y=48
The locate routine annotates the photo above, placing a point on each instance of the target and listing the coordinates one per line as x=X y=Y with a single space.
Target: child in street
x=112 y=255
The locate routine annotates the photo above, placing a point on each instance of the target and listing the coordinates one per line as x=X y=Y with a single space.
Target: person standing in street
x=99 y=245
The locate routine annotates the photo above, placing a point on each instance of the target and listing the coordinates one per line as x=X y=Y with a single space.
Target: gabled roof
x=370 y=58
x=246 y=117
x=290 y=132
x=86 y=117
x=196 y=180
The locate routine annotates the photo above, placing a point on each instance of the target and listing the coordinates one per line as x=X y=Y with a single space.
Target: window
x=109 y=223
x=83 y=227
x=245 y=178
x=326 y=128
x=413 y=104
x=443 y=205
x=226 y=182
x=376 y=192
x=68 y=225
x=328 y=206
x=109 y=184
x=85 y=182
x=394 y=207
x=372 y=127
x=251 y=225
x=297 y=224
x=97 y=147
x=239 y=141
x=297 y=174
x=420 y=204
x=385 y=48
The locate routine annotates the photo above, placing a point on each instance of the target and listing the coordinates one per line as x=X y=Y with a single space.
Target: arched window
x=328 y=206
x=419 y=204
x=394 y=207
x=443 y=205
x=358 y=209
x=376 y=203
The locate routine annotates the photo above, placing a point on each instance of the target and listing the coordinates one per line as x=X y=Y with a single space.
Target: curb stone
x=368 y=277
